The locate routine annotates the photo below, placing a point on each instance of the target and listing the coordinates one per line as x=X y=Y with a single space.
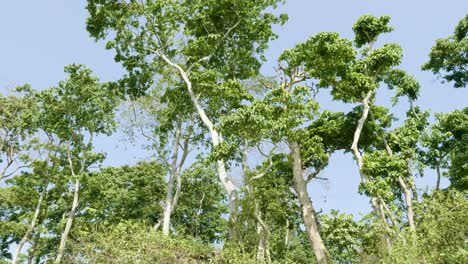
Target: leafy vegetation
x=233 y=151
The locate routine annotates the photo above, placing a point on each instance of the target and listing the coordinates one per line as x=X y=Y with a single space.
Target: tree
x=446 y=148
x=344 y=236
x=355 y=79
x=448 y=57
x=280 y=116
x=172 y=134
x=209 y=44
x=74 y=112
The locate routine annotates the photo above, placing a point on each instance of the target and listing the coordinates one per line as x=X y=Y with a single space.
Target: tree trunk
x=227 y=183
x=375 y=202
x=406 y=192
x=170 y=186
x=438 y=176
x=260 y=245
x=355 y=150
x=409 y=203
x=71 y=217
x=308 y=211
x=263 y=232
x=32 y=252
x=28 y=234
x=263 y=247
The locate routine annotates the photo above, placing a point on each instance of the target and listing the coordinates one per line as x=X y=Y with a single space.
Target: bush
x=136 y=243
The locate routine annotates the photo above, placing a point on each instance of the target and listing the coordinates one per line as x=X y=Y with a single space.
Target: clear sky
x=38 y=38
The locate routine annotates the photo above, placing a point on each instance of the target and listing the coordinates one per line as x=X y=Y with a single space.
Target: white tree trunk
x=170 y=186
x=437 y=187
x=308 y=211
x=409 y=203
x=216 y=139
x=263 y=232
x=28 y=234
x=260 y=245
x=357 y=154
x=375 y=202
x=71 y=217
x=406 y=192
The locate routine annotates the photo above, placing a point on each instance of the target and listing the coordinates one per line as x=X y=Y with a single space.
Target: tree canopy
x=233 y=150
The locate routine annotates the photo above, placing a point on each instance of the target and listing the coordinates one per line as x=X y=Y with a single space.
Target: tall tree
x=209 y=44
x=171 y=132
x=281 y=116
x=75 y=112
x=354 y=74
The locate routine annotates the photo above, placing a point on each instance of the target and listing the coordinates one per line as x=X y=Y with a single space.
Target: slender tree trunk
x=32 y=252
x=359 y=160
x=263 y=248
x=263 y=232
x=172 y=198
x=286 y=235
x=437 y=187
x=216 y=139
x=170 y=186
x=260 y=245
x=357 y=154
x=387 y=239
x=267 y=251
x=31 y=228
x=71 y=217
x=406 y=192
x=409 y=203
x=308 y=211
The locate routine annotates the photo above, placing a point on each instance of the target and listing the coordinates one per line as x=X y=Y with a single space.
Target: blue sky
x=38 y=38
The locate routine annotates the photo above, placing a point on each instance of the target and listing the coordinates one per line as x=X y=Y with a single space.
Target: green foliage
x=368 y=28
x=344 y=237
x=136 y=243
x=79 y=102
x=447 y=146
x=443 y=221
x=234 y=255
x=127 y=193
x=18 y=124
x=404 y=83
x=335 y=63
x=325 y=56
x=441 y=233
x=219 y=46
x=449 y=57
x=232 y=35
x=202 y=205
x=384 y=170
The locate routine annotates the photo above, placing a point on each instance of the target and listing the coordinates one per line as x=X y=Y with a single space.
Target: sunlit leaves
x=404 y=84
x=229 y=37
x=446 y=146
x=367 y=29
x=202 y=204
x=325 y=56
x=127 y=193
x=449 y=57
x=344 y=236
x=79 y=102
